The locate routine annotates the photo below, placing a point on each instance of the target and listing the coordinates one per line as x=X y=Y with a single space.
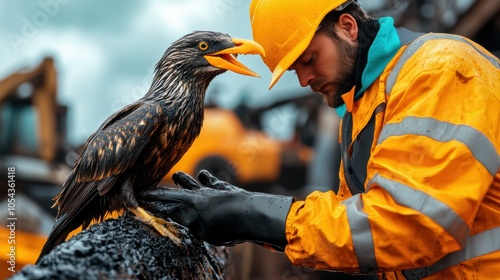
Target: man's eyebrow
x=295 y=62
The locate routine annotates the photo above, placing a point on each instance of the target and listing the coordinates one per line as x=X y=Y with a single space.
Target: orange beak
x=226 y=59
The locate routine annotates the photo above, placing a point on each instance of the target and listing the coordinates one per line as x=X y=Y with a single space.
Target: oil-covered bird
x=138 y=145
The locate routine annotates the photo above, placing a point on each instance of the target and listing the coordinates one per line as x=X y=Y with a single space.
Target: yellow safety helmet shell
x=285 y=28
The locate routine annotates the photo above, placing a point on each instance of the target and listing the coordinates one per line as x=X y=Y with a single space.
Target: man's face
x=327 y=66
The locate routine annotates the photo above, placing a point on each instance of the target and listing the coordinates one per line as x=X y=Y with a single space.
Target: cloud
x=174 y=17
x=81 y=64
x=105 y=50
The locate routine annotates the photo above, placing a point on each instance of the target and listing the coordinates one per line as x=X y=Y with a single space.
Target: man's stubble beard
x=345 y=79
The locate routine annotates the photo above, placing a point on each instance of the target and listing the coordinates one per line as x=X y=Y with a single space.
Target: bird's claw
x=162 y=226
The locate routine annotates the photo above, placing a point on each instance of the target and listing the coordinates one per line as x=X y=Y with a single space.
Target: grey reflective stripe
x=478 y=245
x=480 y=146
x=417 y=43
x=407 y=53
x=475 y=246
x=441 y=213
x=361 y=233
x=406 y=36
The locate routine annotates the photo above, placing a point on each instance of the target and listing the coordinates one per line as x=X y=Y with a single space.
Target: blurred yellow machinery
x=42 y=86
x=233 y=153
x=43 y=80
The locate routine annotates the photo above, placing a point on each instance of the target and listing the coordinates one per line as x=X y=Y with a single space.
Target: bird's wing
x=117 y=144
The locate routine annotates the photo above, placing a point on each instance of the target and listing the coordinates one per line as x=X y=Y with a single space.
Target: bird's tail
x=74 y=201
x=56 y=236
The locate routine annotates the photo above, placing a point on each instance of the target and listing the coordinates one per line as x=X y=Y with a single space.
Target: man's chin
x=337 y=105
x=333 y=102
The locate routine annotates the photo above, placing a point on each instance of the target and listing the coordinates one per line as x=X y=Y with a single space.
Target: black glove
x=219 y=212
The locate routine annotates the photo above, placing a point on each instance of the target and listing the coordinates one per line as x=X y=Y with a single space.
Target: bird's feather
x=72 y=216
x=109 y=152
x=116 y=147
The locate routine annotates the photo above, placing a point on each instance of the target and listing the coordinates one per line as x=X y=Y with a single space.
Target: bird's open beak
x=226 y=59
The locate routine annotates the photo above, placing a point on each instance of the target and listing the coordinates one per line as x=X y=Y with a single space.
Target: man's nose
x=305 y=77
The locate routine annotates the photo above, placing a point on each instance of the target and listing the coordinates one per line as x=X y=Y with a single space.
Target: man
x=419 y=195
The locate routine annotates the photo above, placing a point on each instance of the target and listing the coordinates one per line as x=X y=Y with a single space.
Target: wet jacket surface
x=430 y=207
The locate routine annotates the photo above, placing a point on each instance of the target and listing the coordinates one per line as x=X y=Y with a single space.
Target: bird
x=137 y=146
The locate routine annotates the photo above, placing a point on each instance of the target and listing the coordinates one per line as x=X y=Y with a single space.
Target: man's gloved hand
x=219 y=212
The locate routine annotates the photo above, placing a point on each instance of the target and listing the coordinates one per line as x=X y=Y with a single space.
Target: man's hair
x=354 y=9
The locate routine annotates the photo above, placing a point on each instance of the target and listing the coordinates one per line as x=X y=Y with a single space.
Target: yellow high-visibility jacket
x=430 y=207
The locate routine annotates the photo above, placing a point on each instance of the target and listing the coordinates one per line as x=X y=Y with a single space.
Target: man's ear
x=347 y=27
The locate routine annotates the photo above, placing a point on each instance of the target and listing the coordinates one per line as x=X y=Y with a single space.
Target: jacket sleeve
x=432 y=163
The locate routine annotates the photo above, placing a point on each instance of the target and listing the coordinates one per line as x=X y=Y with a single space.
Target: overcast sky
x=105 y=51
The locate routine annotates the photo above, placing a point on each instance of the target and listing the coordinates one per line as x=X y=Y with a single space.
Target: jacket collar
x=378 y=43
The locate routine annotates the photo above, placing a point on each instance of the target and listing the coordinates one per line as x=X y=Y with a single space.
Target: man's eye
x=310 y=60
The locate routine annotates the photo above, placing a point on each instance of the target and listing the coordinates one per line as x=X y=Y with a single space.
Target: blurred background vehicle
x=32 y=133
x=245 y=155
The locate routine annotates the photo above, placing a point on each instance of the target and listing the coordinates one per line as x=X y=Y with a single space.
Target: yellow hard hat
x=285 y=28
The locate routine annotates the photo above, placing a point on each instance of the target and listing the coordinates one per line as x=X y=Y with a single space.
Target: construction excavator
x=32 y=161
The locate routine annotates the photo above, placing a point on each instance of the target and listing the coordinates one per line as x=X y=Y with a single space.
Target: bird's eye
x=203 y=45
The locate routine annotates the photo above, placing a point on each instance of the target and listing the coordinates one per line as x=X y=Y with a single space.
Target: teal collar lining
x=385 y=45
